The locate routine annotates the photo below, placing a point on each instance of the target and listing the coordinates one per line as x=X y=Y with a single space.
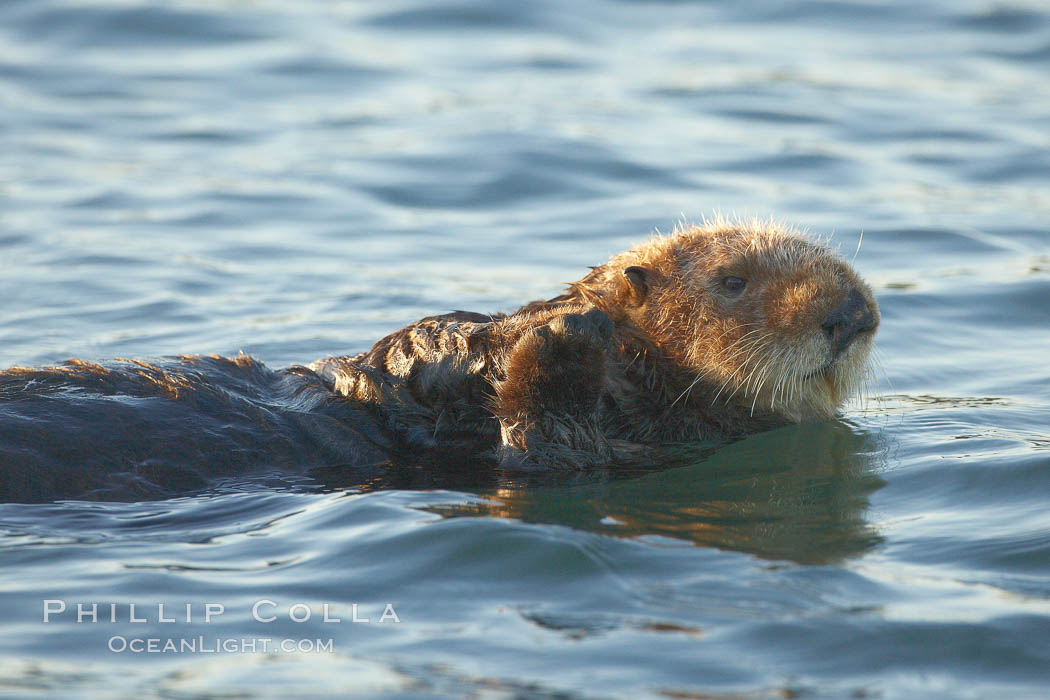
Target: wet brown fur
x=648 y=348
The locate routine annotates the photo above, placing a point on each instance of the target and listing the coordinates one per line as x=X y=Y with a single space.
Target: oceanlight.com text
x=119 y=644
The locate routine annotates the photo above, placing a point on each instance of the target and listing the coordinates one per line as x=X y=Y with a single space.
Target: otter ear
x=638 y=284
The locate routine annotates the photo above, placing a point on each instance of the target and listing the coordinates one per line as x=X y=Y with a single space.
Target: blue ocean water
x=293 y=180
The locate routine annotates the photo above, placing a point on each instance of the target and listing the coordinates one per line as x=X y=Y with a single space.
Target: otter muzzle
x=851 y=318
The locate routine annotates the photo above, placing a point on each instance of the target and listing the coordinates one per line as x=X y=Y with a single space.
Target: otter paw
x=558 y=368
x=594 y=325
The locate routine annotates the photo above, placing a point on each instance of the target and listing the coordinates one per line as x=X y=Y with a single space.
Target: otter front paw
x=557 y=369
x=594 y=327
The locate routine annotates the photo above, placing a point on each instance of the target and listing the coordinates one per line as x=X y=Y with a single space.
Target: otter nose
x=853 y=316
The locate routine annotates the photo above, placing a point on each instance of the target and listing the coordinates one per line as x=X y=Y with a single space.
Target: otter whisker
x=782 y=376
x=745 y=344
x=724 y=361
x=781 y=387
x=762 y=364
x=772 y=367
x=760 y=382
x=751 y=348
x=730 y=329
x=743 y=384
x=687 y=390
x=876 y=359
x=796 y=385
x=790 y=382
x=720 y=390
x=757 y=347
x=758 y=365
x=738 y=347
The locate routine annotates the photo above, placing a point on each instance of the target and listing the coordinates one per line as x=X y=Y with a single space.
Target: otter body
x=710 y=332
x=133 y=430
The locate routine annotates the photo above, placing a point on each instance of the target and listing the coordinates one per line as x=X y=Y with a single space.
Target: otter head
x=757 y=315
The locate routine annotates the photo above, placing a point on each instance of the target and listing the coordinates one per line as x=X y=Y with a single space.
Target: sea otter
x=713 y=331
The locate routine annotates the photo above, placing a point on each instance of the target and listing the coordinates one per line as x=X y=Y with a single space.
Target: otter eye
x=734 y=284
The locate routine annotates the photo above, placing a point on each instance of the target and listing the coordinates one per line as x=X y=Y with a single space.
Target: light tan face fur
x=763 y=346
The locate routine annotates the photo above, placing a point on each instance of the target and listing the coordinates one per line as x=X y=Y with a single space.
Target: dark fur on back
x=132 y=430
